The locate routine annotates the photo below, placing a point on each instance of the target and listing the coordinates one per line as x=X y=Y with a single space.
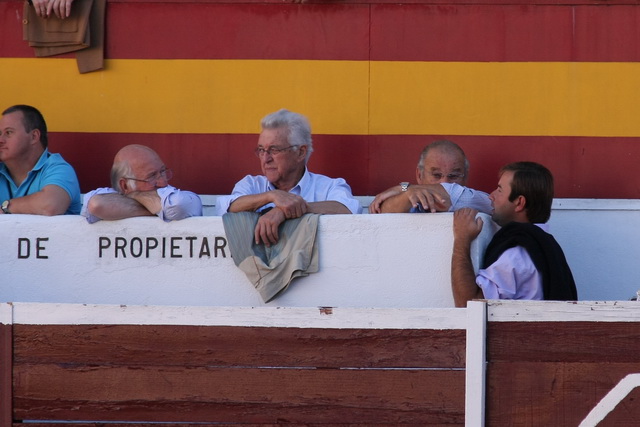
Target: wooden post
x=6 y=359
x=476 y=363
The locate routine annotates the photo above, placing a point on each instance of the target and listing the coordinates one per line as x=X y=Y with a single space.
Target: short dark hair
x=32 y=119
x=535 y=183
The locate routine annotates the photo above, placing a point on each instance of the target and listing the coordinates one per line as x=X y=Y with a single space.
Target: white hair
x=299 y=129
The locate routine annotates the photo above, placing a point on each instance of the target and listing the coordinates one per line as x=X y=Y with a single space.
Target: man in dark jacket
x=522 y=261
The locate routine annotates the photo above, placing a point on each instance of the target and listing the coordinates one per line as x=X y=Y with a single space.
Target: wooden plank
x=625 y=391
x=238 y=346
x=34 y=424
x=627 y=412
x=262 y=316
x=476 y=353
x=186 y=394
x=563 y=311
x=554 y=393
x=5 y=374
x=570 y=342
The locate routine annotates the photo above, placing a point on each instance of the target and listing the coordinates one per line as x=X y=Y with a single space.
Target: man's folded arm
x=51 y=200
x=329 y=207
x=115 y=206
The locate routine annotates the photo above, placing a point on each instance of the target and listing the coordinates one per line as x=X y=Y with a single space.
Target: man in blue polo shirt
x=33 y=180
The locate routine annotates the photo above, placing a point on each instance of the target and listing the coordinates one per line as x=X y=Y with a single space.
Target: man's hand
x=432 y=197
x=463 y=279
x=375 y=206
x=61 y=8
x=40 y=7
x=291 y=205
x=267 y=227
x=149 y=199
x=466 y=227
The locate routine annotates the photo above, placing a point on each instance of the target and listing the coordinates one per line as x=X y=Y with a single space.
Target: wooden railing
x=220 y=369
x=546 y=363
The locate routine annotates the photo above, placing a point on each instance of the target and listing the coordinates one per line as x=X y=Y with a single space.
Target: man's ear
x=419 y=174
x=35 y=138
x=302 y=151
x=123 y=185
x=520 y=203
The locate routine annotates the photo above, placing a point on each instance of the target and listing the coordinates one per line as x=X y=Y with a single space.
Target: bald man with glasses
x=286 y=189
x=140 y=187
x=441 y=177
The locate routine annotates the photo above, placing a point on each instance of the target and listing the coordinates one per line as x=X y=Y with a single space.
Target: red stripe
x=583 y=167
x=211 y=164
x=206 y=164
x=411 y=32
x=11 y=43
x=227 y=31
x=504 y=33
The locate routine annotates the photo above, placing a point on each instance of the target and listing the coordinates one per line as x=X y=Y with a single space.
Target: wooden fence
x=546 y=364
x=550 y=364
x=230 y=372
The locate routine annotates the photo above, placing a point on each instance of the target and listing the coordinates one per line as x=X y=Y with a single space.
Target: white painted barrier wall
x=390 y=260
x=601 y=239
x=395 y=261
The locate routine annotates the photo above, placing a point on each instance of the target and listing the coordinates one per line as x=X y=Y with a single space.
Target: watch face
x=404 y=186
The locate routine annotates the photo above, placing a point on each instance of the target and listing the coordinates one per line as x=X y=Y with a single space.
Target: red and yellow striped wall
x=509 y=80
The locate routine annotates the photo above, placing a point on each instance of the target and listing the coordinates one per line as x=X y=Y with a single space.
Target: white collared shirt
x=312 y=187
x=512 y=276
x=176 y=204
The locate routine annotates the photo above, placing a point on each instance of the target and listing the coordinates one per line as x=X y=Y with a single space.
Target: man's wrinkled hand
x=267 y=227
x=291 y=205
x=433 y=198
x=376 y=204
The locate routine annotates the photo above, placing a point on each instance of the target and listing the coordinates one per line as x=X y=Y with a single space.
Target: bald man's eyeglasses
x=450 y=177
x=165 y=174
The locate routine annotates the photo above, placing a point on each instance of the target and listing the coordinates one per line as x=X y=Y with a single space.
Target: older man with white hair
x=286 y=189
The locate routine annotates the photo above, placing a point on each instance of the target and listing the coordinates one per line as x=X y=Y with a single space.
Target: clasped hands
x=432 y=197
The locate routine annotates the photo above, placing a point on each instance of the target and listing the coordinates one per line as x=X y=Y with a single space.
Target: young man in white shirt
x=522 y=261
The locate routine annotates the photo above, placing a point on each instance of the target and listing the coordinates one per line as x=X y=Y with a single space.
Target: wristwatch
x=5 y=206
x=403 y=186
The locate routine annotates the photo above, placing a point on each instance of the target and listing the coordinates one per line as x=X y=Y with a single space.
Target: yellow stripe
x=189 y=96
x=340 y=97
x=533 y=98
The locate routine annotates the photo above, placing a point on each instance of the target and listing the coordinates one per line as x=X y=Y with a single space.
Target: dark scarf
x=546 y=254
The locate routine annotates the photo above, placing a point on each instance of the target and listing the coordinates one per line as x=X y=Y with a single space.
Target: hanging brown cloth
x=82 y=32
